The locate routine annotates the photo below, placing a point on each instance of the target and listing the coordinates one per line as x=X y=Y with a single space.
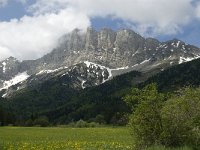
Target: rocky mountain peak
x=76 y=41
x=11 y=58
x=106 y=39
x=116 y=50
x=91 y=39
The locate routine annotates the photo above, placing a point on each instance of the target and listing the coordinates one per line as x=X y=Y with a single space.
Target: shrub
x=181 y=119
x=42 y=121
x=93 y=124
x=170 y=121
x=81 y=124
x=100 y=119
x=145 y=122
x=29 y=123
x=84 y=124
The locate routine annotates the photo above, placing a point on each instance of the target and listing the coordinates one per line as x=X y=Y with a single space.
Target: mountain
x=78 y=77
x=115 y=52
x=123 y=48
x=62 y=103
x=177 y=77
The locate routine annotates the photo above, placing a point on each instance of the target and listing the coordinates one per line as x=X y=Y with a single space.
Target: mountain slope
x=176 y=77
x=63 y=104
x=77 y=77
x=88 y=74
x=119 y=51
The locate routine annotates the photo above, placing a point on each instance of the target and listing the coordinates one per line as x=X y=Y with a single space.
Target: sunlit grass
x=14 y=138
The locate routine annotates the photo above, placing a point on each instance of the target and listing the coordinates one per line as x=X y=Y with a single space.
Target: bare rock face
x=9 y=67
x=106 y=39
x=123 y=49
x=114 y=49
x=91 y=39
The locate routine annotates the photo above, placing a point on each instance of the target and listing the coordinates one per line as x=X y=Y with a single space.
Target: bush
x=181 y=119
x=159 y=120
x=100 y=119
x=72 y=124
x=29 y=123
x=41 y=121
x=119 y=119
x=84 y=124
x=145 y=122
x=93 y=124
x=81 y=124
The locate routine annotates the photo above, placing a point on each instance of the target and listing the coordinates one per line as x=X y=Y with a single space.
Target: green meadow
x=21 y=138
x=36 y=138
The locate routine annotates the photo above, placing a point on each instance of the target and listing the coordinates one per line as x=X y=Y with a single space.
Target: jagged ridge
x=123 y=49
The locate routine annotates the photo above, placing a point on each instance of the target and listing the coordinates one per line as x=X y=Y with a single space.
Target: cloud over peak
x=160 y=16
x=32 y=36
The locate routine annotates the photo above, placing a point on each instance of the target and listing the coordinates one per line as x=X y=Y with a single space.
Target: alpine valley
x=88 y=73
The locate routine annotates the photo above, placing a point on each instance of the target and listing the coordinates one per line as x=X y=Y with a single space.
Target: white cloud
x=161 y=16
x=46 y=6
x=32 y=37
x=5 y=52
x=198 y=11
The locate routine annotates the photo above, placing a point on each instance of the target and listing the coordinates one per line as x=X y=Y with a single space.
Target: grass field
x=107 y=138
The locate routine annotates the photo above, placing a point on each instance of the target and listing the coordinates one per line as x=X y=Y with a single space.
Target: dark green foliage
x=181 y=119
x=2 y=116
x=100 y=119
x=42 y=121
x=176 y=77
x=81 y=124
x=158 y=119
x=62 y=104
x=120 y=119
x=6 y=117
x=84 y=124
x=29 y=123
x=145 y=122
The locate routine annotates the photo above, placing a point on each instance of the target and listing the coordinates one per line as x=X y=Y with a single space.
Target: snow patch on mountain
x=82 y=84
x=46 y=71
x=145 y=61
x=4 y=67
x=15 y=80
x=50 y=71
x=122 y=68
x=187 y=59
x=110 y=71
x=91 y=64
x=178 y=43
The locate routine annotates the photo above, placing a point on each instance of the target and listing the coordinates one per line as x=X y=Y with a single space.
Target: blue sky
x=29 y=28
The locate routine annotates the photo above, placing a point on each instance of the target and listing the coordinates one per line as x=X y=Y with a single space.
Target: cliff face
x=115 y=50
x=119 y=51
